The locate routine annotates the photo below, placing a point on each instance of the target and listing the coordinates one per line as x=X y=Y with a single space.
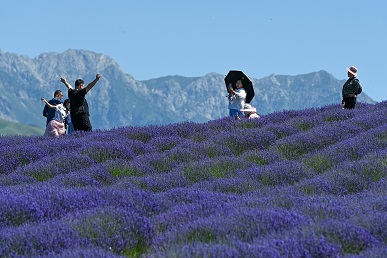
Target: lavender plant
x=306 y=183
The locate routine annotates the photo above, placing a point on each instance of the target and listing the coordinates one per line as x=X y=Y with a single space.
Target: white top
x=237 y=101
x=60 y=113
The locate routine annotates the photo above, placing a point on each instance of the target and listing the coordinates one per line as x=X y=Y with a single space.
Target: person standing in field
x=351 y=89
x=237 y=99
x=49 y=112
x=68 y=123
x=56 y=126
x=79 y=108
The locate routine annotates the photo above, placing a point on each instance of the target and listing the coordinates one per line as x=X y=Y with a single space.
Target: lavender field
x=310 y=183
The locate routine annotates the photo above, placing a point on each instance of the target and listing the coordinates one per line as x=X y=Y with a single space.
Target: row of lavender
x=294 y=183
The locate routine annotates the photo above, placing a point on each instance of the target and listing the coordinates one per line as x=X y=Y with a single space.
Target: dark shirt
x=77 y=100
x=50 y=112
x=350 y=87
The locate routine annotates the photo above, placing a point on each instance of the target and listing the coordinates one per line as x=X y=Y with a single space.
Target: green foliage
x=218 y=169
x=203 y=235
x=43 y=175
x=319 y=163
x=139 y=135
x=290 y=151
x=12 y=128
x=125 y=170
x=136 y=251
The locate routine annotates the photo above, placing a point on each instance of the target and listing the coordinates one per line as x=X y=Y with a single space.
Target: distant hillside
x=12 y=128
x=119 y=100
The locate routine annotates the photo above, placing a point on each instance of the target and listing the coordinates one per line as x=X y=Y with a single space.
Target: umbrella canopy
x=233 y=76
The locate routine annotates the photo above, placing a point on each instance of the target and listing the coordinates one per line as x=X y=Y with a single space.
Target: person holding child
x=56 y=127
x=48 y=112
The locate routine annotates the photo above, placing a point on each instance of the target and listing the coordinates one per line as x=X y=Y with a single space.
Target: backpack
x=359 y=88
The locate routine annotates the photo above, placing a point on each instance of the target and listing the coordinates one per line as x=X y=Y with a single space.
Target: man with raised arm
x=78 y=104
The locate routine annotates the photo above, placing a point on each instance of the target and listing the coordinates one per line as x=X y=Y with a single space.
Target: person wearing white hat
x=350 y=89
x=249 y=111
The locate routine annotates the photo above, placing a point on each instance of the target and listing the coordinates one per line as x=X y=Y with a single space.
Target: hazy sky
x=151 y=39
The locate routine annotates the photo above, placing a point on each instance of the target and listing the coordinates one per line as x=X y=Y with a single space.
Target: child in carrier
x=56 y=127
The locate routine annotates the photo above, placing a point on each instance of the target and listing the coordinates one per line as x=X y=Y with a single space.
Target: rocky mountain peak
x=120 y=100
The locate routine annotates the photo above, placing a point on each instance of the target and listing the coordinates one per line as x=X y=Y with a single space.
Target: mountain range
x=120 y=100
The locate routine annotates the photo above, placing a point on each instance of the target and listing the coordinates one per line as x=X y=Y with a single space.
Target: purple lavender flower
x=307 y=183
x=280 y=173
x=208 y=169
x=38 y=239
x=353 y=239
x=120 y=231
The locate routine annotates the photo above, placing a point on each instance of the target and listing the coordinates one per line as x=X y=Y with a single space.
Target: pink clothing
x=55 y=129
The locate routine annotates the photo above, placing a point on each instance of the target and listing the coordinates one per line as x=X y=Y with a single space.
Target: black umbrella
x=233 y=76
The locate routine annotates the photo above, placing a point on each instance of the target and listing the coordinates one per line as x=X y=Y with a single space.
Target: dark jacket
x=351 y=86
x=50 y=112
